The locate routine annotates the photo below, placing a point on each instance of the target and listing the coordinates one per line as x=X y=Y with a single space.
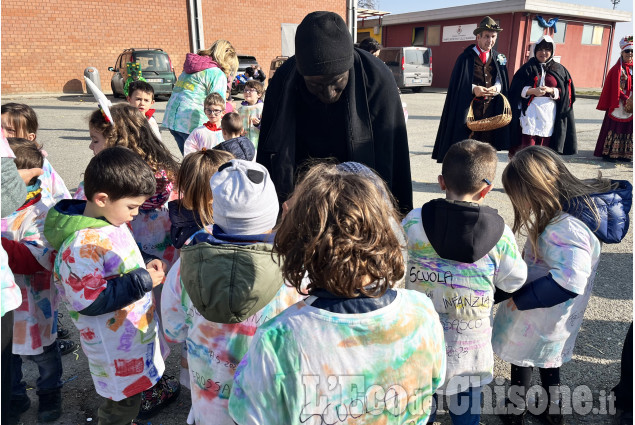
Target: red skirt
x=615 y=140
x=529 y=140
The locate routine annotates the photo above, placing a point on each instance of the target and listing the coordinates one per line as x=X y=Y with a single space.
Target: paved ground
x=596 y=362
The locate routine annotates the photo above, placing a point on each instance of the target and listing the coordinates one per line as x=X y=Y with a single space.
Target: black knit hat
x=323 y=45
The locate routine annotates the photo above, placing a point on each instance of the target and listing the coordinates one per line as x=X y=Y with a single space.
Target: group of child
x=225 y=125
x=30 y=254
x=298 y=318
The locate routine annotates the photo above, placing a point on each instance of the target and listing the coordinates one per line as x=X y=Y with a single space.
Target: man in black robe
x=334 y=100
x=479 y=72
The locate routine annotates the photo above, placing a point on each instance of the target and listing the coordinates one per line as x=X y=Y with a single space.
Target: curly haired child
x=345 y=352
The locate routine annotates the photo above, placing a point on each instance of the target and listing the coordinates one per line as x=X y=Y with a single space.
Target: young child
x=209 y=134
x=20 y=120
x=142 y=97
x=566 y=220
x=13 y=194
x=130 y=129
x=151 y=227
x=35 y=321
x=355 y=347
x=193 y=210
x=104 y=282
x=240 y=274
x=250 y=110
x=191 y=213
x=238 y=145
x=460 y=252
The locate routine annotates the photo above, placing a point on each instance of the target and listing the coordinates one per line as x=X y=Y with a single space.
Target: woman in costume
x=615 y=141
x=542 y=96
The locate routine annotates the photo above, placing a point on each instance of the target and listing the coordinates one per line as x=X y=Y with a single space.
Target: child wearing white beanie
x=230 y=285
x=245 y=199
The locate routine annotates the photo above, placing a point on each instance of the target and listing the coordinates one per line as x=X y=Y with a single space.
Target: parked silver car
x=411 y=66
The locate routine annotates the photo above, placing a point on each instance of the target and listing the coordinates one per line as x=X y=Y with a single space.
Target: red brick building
x=47 y=44
x=584 y=36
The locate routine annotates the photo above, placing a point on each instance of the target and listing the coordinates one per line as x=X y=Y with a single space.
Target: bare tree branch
x=373 y=4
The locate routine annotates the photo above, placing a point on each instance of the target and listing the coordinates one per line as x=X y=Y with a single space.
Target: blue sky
x=621 y=29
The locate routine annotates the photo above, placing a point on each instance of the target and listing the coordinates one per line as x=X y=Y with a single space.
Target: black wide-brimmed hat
x=487 y=24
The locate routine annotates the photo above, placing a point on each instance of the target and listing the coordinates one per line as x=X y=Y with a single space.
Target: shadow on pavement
x=600 y=339
x=86 y=138
x=614 y=278
x=426 y=187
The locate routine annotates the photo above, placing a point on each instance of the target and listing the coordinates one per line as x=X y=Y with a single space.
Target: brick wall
x=46 y=45
x=254 y=27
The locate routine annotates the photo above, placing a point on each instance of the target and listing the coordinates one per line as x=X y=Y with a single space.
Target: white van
x=411 y=66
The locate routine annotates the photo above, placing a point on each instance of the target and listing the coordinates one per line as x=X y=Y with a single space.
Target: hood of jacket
x=613 y=208
x=66 y=218
x=461 y=231
x=241 y=147
x=549 y=40
x=228 y=283
x=196 y=63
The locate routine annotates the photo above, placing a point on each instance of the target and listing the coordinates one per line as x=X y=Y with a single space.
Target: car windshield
x=153 y=61
x=246 y=61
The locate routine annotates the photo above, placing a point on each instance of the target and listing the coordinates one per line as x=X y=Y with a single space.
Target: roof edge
x=506 y=6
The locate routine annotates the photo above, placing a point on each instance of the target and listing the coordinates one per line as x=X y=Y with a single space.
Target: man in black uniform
x=332 y=100
x=481 y=72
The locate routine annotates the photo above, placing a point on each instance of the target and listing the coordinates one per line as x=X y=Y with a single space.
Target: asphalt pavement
x=595 y=366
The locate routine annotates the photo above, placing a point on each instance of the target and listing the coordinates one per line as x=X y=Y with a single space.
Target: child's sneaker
x=66 y=346
x=62 y=332
x=50 y=408
x=153 y=400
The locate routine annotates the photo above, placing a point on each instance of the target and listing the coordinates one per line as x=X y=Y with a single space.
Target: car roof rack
x=142 y=48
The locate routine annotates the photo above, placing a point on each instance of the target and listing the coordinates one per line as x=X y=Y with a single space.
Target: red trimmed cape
x=610 y=97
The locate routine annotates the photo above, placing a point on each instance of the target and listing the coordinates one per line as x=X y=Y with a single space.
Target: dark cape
x=563 y=140
x=373 y=127
x=452 y=127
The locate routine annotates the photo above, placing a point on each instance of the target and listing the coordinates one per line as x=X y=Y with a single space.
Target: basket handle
x=507 y=109
x=470 y=112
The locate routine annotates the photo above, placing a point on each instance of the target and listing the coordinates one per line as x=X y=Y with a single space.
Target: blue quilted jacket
x=613 y=207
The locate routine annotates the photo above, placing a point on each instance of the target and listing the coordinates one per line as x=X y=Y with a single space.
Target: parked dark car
x=156 y=68
x=244 y=61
